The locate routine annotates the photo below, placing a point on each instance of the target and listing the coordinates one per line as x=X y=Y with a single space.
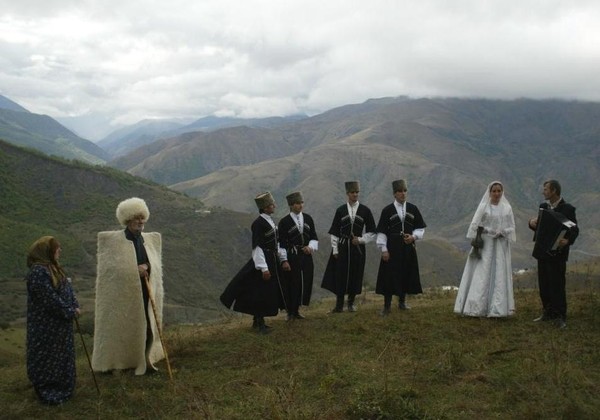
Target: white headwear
x=504 y=223
x=128 y=209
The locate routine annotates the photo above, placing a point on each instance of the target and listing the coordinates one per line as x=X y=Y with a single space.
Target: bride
x=486 y=288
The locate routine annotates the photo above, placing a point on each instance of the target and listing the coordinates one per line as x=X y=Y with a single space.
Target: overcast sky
x=127 y=60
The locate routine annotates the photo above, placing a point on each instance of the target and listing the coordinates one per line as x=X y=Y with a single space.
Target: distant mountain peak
x=6 y=103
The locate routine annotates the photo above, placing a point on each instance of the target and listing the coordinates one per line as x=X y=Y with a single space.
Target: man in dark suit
x=256 y=288
x=399 y=227
x=298 y=236
x=552 y=266
x=345 y=268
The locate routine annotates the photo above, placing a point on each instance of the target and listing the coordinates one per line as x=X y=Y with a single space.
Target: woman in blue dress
x=51 y=308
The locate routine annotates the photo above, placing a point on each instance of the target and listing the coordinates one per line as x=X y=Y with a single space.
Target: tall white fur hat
x=128 y=209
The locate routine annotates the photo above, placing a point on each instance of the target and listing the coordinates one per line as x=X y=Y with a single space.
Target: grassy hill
x=426 y=363
x=203 y=247
x=73 y=201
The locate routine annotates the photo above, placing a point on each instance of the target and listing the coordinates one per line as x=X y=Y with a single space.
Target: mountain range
x=41 y=132
x=447 y=149
x=200 y=185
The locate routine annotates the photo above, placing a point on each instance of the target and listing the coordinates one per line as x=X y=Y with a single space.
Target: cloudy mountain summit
x=43 y=133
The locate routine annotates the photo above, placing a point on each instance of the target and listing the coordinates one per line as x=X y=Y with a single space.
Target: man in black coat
x=345 y=268
x=298 y=236
x=256 y=289
x=552 y=265
x=399 y=227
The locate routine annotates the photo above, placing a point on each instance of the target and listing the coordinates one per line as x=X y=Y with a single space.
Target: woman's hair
x=42 y=252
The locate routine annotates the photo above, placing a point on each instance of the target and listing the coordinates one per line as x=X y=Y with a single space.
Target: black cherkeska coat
x=247 y=292
x=344 y=274
x=300 y=278
x=400 y=274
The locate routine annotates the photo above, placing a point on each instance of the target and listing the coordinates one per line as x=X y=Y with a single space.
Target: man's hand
x=408 y=239
x=307 y=250
x=143 y=270
x=385 y=256
x=266 y=275
x=286 y=266
x=533 y=223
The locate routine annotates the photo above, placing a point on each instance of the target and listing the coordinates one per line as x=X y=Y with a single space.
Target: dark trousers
x=552 y=281
x=340 y=300
x=387 y=300
x=294 y=296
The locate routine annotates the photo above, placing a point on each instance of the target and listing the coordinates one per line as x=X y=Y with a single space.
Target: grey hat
x=293 y=198
x=264 y=200
x=128 y=209
x=352 y=186
x=399 y=185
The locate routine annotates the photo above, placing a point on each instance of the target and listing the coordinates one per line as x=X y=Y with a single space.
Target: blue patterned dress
x=50 y=346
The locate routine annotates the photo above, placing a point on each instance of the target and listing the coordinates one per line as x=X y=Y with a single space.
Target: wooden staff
x=87 y=354
x=158 y=327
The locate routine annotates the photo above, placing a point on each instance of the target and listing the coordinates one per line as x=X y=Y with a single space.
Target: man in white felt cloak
x=125 y=330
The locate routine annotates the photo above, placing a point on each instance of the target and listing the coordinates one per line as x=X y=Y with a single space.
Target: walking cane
x=87 y=354
x=158 y=327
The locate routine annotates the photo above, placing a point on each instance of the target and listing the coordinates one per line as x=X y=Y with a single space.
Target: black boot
x=402 y=303
x=262 y=327
x=387 y=304
x=339 y=304
x=351 y=306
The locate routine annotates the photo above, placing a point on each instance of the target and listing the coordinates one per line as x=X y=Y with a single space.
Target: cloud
x=148 y=59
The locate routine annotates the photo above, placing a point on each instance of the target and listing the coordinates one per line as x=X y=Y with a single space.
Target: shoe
x=403 y=306
x=351 y=307
x=297 y=315
x=264 y=329
x=542 y=318
x=336 y=310
x=289 y=317
x=385 y=312
x=560 y=323
x=151 y=370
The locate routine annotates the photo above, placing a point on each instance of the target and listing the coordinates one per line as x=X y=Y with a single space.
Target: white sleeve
x=382 y=242
x=258 y=256
x=418 y=233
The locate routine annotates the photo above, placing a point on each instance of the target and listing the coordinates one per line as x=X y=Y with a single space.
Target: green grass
x=417 y=364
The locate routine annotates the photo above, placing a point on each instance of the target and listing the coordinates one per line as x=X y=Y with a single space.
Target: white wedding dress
x=486 y=287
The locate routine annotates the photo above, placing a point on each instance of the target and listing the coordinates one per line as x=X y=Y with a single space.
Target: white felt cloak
x=120 y=324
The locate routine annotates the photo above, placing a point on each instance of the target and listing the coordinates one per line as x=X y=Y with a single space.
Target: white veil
x=504 y=224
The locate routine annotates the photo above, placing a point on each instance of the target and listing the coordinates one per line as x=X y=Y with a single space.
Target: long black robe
x=247 y=292
x=298 y=283
x=400 y=274
x=50 y=343
x=344 y=274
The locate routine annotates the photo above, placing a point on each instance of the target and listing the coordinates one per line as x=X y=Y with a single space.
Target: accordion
x=551 y=228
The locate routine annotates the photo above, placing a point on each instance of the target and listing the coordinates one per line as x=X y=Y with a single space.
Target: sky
x=104 y=64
